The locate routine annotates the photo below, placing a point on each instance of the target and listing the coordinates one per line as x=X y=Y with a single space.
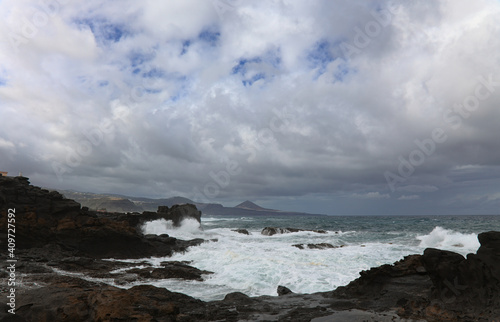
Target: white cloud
x=409 y=197
x=418 y=188
x=371 y=195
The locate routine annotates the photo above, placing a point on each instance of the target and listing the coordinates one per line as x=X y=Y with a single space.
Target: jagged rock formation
x=242 y=231
x=317 y=246
x=176 y=214
x=171 y=269
x=283 y=290
x=44 y=217
x=269 y=231
x=437 y=286
x=73 y=299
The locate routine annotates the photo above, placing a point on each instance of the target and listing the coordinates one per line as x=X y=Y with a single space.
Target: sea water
x=256 y=264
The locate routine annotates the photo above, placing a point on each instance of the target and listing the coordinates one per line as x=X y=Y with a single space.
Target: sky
x=332 y=107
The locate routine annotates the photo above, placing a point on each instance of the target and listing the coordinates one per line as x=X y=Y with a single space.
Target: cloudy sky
x=336 y=107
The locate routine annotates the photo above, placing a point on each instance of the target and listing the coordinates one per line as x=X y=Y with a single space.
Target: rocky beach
x=68 y=264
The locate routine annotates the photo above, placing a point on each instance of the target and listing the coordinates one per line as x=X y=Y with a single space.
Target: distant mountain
x=246 y=209
x=152 y=204
x=252 y=206
x=112 y=204
x=119 y=203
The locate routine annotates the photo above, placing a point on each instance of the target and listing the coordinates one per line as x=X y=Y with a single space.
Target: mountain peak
x=249 y=205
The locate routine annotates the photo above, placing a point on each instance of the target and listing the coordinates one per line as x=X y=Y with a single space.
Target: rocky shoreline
x=62 y=253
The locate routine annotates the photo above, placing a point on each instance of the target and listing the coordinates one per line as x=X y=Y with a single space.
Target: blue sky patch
x=185 y=46
x=253 y=79
x=154 y=73
x=211 y=37
x=241 y=67
x=320 y=55
x=105 y=31
x=274 y=58
x=137 y=59
x=342 y=71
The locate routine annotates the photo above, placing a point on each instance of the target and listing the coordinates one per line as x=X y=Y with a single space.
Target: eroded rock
x=269 y=231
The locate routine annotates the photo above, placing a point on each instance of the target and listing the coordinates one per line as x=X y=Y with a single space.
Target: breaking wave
x=450 y=240
x=188 y=226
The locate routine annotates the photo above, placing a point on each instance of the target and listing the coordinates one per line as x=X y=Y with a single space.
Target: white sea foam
x=188 y=227
x=157 y=227
x=256 y=264
x=450 y=240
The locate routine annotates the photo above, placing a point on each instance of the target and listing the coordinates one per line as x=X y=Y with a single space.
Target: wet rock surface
x=47 y=218
x=176 y=214
x=171 y=269
x=316 y=246
x=62 y=268
x=242 y=231
x=269 y=231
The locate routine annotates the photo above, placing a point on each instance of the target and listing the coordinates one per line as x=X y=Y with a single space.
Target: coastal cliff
x=61 y=247
x=45 y=218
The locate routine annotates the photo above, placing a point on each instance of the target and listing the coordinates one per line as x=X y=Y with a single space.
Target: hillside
x=252 y=206
x=119 y=203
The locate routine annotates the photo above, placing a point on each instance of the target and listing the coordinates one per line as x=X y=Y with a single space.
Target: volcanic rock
x=171 y=269
x=44 y=218
x=269 y=231
x=316 y=246
x=470 y=285
x=283 y=290
x=242 y=231
x=72 y=299
x=176 y=214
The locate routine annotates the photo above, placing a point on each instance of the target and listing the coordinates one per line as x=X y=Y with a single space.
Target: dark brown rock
x=71 y=299
x=269 y=231
x=171 y=269
x=242 y=231
x=176 y=214
x=44 y=218
x=283 y=290
x=467 y=285
x=317 y=246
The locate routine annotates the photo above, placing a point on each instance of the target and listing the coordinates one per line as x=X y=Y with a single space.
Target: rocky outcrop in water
x=242 y=231
x=316 y=246
x=176 y=214
x=171 y=269
x=269 y=231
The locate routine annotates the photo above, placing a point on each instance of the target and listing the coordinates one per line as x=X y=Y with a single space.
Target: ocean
x=256 y=264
